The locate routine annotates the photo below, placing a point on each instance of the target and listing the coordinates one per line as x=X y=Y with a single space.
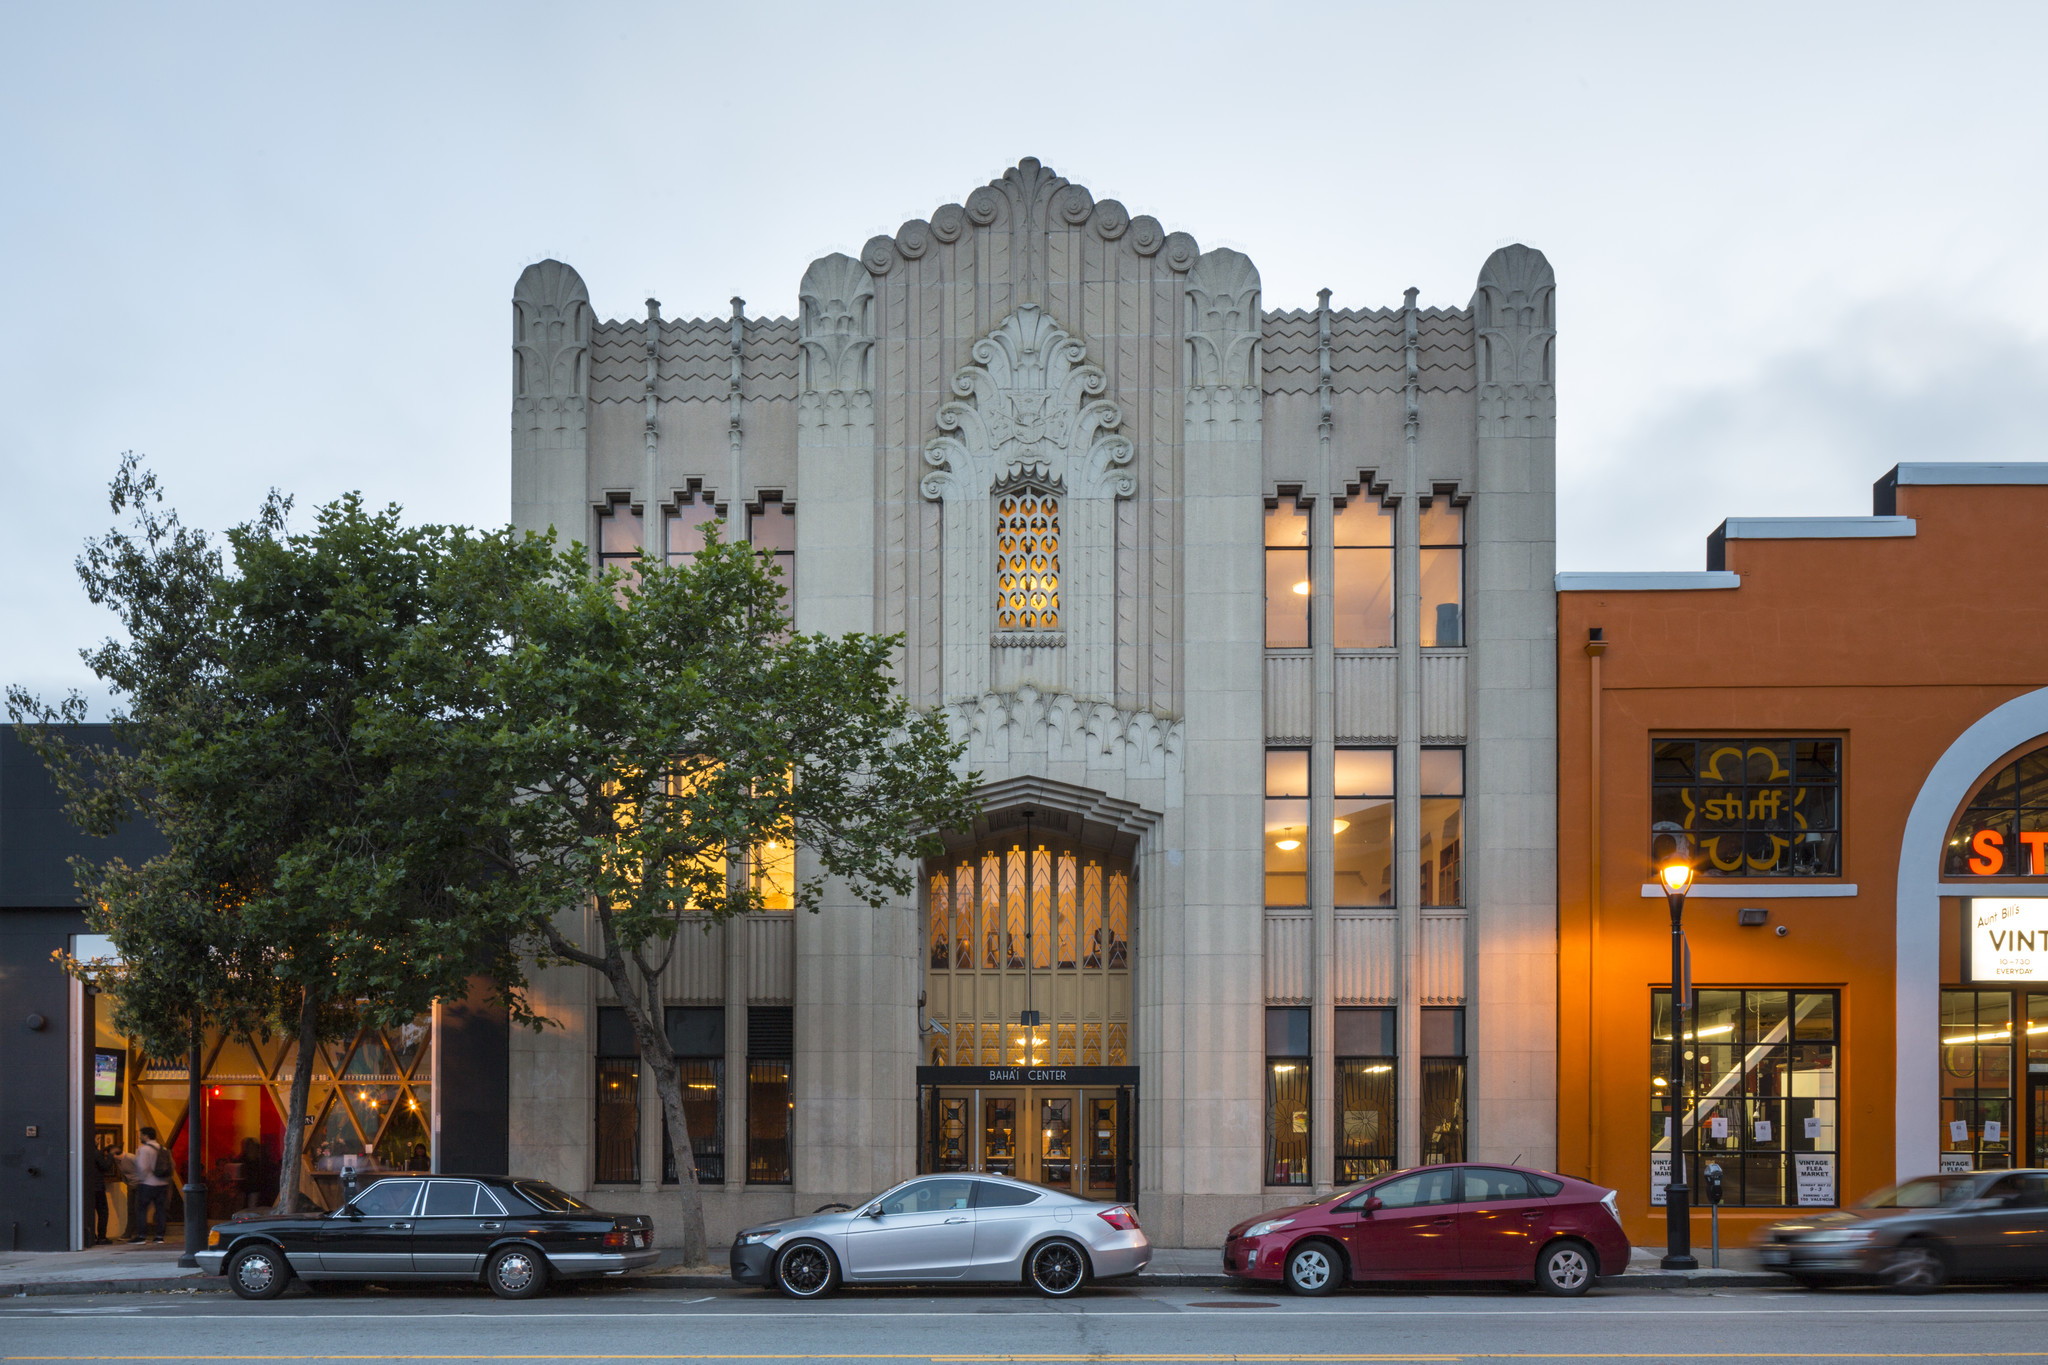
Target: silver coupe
x=939 y=1228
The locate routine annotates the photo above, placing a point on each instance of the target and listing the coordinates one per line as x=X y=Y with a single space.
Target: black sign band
x=1027 y=1075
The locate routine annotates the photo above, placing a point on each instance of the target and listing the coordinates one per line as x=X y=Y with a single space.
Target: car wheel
x=1914 y=1268
x=1312 y=1268
x=1565 y=1269
x=258 y=1272
x=1057 y=1269
x=806 y=1270
x=517 y=1273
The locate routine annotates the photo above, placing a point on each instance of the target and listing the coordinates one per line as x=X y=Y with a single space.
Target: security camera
x=1783 y=930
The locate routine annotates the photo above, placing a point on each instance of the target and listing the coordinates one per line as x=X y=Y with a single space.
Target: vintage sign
x=1660 y=1176
x=2005 y=940
x=1816 y=1179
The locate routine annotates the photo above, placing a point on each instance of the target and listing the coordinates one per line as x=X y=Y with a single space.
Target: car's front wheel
x=517 y=1273
x=806 y=1270
x=1057 y=1269
x=1915 y=1268
x=258 y=1272
x=1312 y=1269
x=1565 y=1269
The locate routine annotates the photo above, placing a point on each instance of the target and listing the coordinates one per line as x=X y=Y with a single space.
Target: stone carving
x=1513 y=319
x=949 y=222
x=879 y=255
x=1111 y=220
x=1223 y=321
x=1146 y=235
x=1030 y=406
x=1004 y=727
x=1076 y=205
x=914 y=238
x=1181 y=252
x=836 y=319
x=550 y=335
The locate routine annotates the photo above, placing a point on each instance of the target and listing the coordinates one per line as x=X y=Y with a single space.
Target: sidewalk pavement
x=123 y=1268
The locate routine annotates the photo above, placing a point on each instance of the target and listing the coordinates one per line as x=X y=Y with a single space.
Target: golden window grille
x=1028 y=561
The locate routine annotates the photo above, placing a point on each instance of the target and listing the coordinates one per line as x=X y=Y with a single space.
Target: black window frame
x=1679 y=794
x=1289 y=1043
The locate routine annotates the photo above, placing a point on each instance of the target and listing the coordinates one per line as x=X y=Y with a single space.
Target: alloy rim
x=1914 y=1267
x=1568 y=1269
x=1056 y=1268
x=515 y=1271
x=1311 y=1269
x=256 y=1273
x=804 y=1270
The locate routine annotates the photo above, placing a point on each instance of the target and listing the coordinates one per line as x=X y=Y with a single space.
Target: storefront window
x=1443 y=827
x=1443 y=1085
x=1362 y=598
x=1443 y=574
x=771 y=1036
x=1287 y=1096
x=1287 y=576
x=2003 y=832
x=1287 y=838
x=1747 y=807
x=1365 y=1094
x=1364 y=826
x=1759 y=1087
x=1977 y=1109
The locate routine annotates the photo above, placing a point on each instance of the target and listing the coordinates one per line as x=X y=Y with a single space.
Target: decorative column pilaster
x=1322 y=782
x=551 y=322
x=1408 y=759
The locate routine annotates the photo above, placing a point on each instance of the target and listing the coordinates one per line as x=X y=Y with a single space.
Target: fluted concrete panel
x=771 y=959
x=1443 y=699
x=1365 y=699
x=1289 y=698
x=1289 y=943
x=1368 y=958
x=1443 y=959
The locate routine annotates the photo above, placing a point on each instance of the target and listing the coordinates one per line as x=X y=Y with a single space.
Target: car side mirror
x=872 y=1211
x=1372 y=1202
x=351 y=1211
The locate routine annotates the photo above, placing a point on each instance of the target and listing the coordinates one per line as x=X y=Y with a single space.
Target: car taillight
x=618 y=1237
x=1122 y=1219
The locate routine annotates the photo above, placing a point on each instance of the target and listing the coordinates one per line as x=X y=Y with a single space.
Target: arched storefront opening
x=1029 y=962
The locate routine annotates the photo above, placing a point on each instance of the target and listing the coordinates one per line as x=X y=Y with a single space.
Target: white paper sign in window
x=1816 y=1177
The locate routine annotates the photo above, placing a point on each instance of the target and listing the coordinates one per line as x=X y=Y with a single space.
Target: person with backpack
x=153 y=1171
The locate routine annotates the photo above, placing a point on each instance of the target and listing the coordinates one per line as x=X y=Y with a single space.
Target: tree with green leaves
x=316 y=881
x=654 y=734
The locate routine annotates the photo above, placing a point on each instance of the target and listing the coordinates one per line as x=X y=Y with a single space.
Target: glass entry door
x=1073 y=1140
x=2037 y=1119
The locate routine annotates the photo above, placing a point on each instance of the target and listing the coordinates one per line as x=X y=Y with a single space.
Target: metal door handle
x=406 y=1226
x=956 y=1220
x=1444 y=1222
x=493 y=1227
x=1532 y=1213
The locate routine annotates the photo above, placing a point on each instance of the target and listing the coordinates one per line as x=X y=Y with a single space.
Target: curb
x=186 y=1284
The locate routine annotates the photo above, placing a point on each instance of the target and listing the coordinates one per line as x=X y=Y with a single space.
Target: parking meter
x=1710 y=1190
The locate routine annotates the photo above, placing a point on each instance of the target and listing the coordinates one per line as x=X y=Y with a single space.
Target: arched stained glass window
x=939 y=957
x=1027 y=561
x=1067 y=908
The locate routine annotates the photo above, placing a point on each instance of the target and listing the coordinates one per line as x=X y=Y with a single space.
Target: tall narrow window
x=1287 y=579
x=1977 y=1111
x=618 y=540
x=1365 y=1094
x=772 y=531
x=1443 y=827
x=770 y=1045
x=1363 y=595
x=686 y=522
x=618 y=1100
x=1443 y=574
x=1364 y=825
x=1287 y=827
x=1027 y=560
x=697 y=1037
x=1443 y=1085
x=1287 y=1096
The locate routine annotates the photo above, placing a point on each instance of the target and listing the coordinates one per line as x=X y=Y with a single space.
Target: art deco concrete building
x=1246 y=617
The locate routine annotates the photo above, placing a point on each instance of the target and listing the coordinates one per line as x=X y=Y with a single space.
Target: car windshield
x=1926 y=1192
x=548 y=1199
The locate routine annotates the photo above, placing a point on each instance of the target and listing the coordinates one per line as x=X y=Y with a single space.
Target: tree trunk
x=651 y=1040
x=295 y=1116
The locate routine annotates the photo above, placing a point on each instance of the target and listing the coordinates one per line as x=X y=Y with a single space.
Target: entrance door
x=2037 y=1119
x=1078 y=1140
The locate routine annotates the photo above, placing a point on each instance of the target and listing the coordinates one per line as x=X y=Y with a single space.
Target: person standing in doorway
x=153 y=1171
x=100 y=1167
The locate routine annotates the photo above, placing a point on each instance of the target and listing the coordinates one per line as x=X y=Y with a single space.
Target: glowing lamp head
x=1301 y=588
x=1677 y=878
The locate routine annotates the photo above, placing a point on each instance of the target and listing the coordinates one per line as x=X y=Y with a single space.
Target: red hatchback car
x=1465 y=1222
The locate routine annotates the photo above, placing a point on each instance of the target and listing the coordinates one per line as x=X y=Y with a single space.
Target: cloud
x=1804 y=433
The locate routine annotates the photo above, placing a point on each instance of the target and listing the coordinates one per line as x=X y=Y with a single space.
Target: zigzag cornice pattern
x=1003 y=727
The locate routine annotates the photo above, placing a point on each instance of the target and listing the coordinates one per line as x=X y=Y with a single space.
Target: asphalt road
x=966 y=1326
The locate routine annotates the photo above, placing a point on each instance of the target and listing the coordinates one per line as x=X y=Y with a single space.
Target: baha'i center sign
x=2006 y=940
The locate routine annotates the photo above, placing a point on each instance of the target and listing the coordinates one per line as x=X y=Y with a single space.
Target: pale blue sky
x=265 y=244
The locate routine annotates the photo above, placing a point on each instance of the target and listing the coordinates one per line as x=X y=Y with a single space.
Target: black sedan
x=515 y=1235
x=1919 y=1235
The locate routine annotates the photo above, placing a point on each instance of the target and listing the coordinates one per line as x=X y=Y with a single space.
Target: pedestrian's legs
x=99 y=1208
x=157 y=1198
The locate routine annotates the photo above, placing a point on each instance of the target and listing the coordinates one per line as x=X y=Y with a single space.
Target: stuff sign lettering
x=2006 y=940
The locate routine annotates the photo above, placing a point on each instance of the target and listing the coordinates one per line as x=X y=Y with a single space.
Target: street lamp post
x=1677 y=879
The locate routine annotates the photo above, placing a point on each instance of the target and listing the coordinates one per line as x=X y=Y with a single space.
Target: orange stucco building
x=1837 y=724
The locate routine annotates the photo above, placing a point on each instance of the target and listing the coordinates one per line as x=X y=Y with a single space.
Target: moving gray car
x=1919 y=1235
x=942 y=1228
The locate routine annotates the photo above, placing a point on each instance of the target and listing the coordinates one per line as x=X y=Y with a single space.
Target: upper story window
x=1748 y=807
x=619 y=539
x=1028 y=560
x=1363 y=594
x=2003 y=831
x=1287 y=576
x=1364 y=827
x=1443 y=827
x=686 y=522
x=771 y=529
x=1443 y=574
x=1287 y=827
